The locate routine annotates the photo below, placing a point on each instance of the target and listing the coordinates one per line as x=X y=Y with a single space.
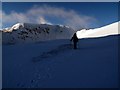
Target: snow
x=27 y=33
x=55 y=64
x=111 y=29
x=51 y=62
x=17 y=26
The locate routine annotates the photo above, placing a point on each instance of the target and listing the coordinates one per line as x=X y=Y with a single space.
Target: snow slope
x=26 y=32
x=51 y=61
x=111 y=29
x=54 y=64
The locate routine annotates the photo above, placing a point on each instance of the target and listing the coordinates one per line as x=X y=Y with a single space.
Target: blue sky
x=76 y=15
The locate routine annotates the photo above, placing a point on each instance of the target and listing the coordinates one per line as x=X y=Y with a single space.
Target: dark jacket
x=74 y=38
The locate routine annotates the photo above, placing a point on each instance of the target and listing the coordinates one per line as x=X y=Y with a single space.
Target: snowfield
x=55 y=64
x=111 y=29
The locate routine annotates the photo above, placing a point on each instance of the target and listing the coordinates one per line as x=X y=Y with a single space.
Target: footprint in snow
x=52 y=53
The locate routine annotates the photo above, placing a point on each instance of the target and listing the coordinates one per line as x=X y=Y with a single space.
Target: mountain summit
x=27 y=32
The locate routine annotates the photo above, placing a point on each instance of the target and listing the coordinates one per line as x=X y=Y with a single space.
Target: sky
x=73 y=14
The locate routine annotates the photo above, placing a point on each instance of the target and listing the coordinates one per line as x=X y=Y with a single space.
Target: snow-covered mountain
x=26 y=32
x=111 y=29
x=54 y=63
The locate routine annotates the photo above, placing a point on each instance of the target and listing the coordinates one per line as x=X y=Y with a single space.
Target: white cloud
x=42 y=20
x=38 y=14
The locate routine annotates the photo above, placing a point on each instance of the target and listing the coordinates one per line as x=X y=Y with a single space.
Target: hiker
x=75 y=40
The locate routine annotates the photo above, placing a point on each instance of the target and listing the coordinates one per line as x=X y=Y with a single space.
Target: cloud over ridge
x=42 y=14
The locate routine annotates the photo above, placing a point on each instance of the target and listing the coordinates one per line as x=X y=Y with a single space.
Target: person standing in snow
x=75 y=40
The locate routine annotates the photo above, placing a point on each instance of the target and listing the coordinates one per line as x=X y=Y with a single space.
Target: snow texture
x=55 y=64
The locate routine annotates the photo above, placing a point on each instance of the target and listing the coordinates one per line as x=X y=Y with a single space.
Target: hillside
x=111 y=29
x=26 y=32
x=55 y=64
x=50 y=61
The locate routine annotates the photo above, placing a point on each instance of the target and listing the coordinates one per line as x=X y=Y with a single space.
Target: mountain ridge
x=29 y=32
x=111 y=29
